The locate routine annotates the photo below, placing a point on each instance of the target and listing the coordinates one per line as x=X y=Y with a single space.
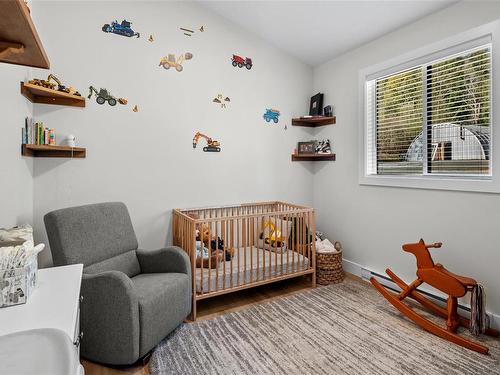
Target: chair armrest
x=167 y=259
x=109 y=318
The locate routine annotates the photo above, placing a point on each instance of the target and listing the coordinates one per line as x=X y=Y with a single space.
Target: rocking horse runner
x=453 y=285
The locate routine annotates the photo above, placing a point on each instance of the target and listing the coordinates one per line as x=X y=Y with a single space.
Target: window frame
x=486 y=34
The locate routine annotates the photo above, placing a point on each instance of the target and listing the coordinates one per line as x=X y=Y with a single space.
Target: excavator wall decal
x=212 y=144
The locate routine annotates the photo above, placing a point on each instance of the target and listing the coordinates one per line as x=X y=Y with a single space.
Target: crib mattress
x=264 y=264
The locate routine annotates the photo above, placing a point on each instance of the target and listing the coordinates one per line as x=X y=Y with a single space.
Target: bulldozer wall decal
x=124 y=29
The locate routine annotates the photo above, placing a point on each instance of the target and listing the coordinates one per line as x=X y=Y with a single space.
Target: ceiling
x=317 y=31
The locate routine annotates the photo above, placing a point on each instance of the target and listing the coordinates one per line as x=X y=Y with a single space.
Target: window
x=432 y=118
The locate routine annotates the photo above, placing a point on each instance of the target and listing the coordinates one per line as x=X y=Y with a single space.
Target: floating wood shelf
x=19 y=41
x=313 y=121
x=39 y=94
x=45 y=151
x=313 y=157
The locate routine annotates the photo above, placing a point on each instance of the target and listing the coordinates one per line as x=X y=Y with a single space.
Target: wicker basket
x=329 y=268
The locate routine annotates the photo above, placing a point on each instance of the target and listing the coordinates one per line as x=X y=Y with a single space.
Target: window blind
x=432 y=119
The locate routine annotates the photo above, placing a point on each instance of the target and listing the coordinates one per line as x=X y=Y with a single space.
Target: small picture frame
x=316 y=106
x=306 y=148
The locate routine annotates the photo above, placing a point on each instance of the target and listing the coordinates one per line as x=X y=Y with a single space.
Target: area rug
x=346 y=328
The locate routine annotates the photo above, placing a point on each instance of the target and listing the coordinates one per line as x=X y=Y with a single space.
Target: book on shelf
x=35 y=133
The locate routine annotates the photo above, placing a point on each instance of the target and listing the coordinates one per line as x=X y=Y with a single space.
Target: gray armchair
x=132 y=298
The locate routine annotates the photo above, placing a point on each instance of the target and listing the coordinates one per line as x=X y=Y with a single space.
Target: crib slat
x=252 y=231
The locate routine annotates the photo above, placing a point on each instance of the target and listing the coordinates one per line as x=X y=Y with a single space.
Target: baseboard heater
x=366 y=274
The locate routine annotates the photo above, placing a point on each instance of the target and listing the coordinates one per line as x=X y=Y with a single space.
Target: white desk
x=54 y=303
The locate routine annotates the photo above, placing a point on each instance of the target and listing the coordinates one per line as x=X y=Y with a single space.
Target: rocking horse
x=453 y=285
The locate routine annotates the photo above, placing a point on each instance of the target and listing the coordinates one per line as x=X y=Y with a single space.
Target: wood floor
x=212 y=307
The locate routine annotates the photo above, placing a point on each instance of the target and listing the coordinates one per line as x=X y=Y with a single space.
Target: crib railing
x=245 y=257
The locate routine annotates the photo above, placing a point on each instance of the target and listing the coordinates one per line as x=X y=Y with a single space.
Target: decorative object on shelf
x=151 y=39
x=241 y=62
x=452 y=285
x=306 y=148
x=323 y=147
x=18 y=265
x=70 y=140
x=271 y=115
x=123 y=28
x=170 y=61
x=219 y=100
x=212 y=144
x=54 y=86
x=316 y=105
x=103 y=96
x=135 y=109
x=328 y=111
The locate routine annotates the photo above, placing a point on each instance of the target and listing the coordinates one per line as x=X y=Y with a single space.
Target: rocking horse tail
x=479 y=321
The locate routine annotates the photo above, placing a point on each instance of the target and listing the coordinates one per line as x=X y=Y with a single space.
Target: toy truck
x=239 y=62
x=272 y=114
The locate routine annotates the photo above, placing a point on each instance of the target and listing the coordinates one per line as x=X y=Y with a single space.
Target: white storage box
x=17 y=285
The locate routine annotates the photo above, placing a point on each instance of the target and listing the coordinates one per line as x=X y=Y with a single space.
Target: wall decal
x=151 y=39
x=122 y=28
x=219 y=100
x=212 y=144
x=170 y=61
x=241 y=62
x=189 y=32
x=271 y=114
x=103 y=96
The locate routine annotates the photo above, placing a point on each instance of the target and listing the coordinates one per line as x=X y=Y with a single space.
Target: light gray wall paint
x=16 y=186
x=372 y=222
x=146 y=159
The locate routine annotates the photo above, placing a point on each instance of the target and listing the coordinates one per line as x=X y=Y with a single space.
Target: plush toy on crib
x=202 y=247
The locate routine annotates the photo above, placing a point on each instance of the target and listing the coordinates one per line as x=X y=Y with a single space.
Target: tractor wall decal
x=122 y=29
x=241 y=62
x=170 y=61
x=103 y=96
x=271 y=115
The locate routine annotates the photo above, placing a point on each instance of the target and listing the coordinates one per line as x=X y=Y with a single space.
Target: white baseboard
x=365 y=273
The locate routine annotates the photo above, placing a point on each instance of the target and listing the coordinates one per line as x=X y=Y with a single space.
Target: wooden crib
x=248 y=245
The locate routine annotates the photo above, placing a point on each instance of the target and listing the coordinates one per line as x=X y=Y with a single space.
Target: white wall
x=372 y=222
x=146 y=159
x=16 y=181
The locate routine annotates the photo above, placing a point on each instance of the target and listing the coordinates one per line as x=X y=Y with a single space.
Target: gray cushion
x=164 y=302
x=89 y=234
x=126 y=263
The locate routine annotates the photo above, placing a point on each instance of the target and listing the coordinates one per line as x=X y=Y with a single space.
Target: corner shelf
x=19 y=41
x=46 y=151
x=313 y=157
x=314 y=121
x=39 y=94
